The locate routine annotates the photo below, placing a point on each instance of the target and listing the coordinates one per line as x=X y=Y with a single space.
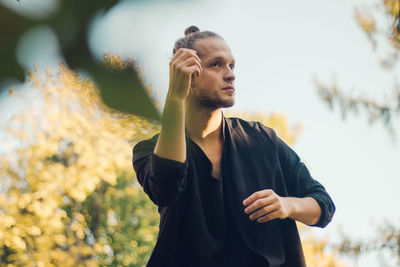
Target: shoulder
x=238 y=126
x=145 y=146
x=152 y=140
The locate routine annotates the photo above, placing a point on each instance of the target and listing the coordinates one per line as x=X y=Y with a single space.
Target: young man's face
x=215 y=85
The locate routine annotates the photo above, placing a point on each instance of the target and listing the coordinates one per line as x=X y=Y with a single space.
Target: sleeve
x=162 y=179
x=300 y=183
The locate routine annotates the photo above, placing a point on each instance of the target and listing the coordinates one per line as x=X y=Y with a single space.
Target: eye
x=216 y=64
x=232 y=66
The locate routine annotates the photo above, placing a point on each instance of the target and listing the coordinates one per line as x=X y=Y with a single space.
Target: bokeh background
x=82 y=83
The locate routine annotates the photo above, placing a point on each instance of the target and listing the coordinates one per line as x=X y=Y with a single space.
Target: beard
x=214 y=100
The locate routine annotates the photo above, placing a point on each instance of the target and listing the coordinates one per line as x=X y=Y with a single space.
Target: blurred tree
x=279 y=122
x=385 y=244
x=387 y=109
x=68 y=195
x=70 y=21
x=386 y=240
x=318 y=252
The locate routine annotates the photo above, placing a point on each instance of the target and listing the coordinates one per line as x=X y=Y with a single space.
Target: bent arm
x=160 y=178
x=266 y=205
x=301 y=185
x=310 y=199
x=171 y=143
x=160 y=163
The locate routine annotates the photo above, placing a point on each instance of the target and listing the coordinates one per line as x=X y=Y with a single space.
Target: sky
x=279 y=47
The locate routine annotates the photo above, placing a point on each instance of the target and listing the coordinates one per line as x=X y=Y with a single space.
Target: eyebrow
x=220 y=58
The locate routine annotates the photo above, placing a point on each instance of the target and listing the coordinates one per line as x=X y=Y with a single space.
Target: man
x=228 y=191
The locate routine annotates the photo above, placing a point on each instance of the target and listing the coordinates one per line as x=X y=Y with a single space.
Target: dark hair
x=192 y=34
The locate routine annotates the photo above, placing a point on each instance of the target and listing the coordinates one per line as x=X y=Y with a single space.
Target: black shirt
x=229 y=247
x=202 y=219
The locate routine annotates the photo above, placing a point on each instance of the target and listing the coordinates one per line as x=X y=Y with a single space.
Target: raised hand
x=183 y=65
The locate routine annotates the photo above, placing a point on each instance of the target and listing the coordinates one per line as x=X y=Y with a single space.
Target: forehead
x=212 y=47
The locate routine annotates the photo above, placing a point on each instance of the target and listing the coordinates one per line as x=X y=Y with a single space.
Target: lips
x=229 y=88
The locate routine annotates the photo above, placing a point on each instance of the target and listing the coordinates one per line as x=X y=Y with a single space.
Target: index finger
x=259 y=194
x=192 y=51
x=183 y=54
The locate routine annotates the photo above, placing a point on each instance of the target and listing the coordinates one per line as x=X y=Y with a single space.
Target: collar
x=223 y=126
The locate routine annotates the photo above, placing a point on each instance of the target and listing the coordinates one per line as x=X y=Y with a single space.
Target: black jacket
x=253 y=158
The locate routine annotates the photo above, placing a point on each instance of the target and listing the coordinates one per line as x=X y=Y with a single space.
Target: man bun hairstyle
x=192 y=34
x=191 y=29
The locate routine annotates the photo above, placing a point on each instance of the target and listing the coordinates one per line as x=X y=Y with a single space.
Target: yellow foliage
x=390 y=31
x=392 y=6
x=316 y=251
x=366 y=21
x=69 y=143
x=279 y=122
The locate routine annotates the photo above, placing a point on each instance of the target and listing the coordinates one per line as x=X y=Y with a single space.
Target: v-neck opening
x=209 y=161
x=222 y=154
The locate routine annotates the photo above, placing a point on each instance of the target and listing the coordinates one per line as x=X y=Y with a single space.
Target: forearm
x=305 y=210
x=171 y=143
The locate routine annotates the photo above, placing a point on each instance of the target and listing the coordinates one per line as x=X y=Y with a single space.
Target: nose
x=229 y=76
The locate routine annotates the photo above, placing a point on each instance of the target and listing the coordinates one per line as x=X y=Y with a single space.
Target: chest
x=214 y=154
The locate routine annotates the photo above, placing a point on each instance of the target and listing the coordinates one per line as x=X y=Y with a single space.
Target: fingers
x=269 y=217
x=263 y=211
x=256 y=196
x=264 y=206
x=182 y=51
x=190 y=65
x=185 y=56
x=185 y=53
x=262 y=202
x=183 y=65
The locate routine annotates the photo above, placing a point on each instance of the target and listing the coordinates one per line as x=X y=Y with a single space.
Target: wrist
x=172 y=98
x=174 y=103
x=305 y=210
x=291 y=206
x=176 y=94
x=174 y=111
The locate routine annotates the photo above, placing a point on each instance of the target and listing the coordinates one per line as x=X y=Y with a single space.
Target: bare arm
x=171 y=143
x=305 y=210
x=266 y=205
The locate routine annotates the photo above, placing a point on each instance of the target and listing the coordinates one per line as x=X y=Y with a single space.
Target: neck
x=203 y=123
